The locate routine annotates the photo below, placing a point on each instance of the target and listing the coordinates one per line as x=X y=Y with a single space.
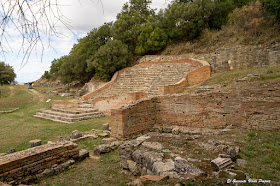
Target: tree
x=111 y=57
x=127 y=27
x=186 y=20
x=46 y=75
x=220 y=13
x=7 y=74
x=151 y=39
x=273 y=6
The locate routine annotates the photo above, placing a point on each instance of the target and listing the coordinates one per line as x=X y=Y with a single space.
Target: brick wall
x=23 y=166
x=137 y=118
x=257 y=109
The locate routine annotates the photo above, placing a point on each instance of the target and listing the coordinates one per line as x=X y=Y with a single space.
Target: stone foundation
x=252 y=109
x=26 y=166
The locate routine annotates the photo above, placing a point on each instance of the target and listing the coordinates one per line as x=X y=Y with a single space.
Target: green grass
x=14 y=97
x=102 y=171
x=19 y=127
x=261 y=149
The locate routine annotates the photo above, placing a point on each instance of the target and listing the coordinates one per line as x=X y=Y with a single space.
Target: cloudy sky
x=84 y=15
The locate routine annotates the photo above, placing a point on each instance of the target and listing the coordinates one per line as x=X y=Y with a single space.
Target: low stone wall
x=25 y=166
x=241 y=56
x=105 y=104
x=253 y=109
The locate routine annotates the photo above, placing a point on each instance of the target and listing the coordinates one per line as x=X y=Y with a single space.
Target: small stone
x=35 y=143
x=76 y=134
x=61 y=138
x=241 y=163
x=11 y=151
x=103 y=134
x=105 y=126
x=233 y=151
x=83 y=154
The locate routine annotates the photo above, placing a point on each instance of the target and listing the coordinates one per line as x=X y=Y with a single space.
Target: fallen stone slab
x=83 y=154
x=105 y=148
x=184 y=167
x=221 y=163
x=76 y=134
x=241 y=163
x=160 y=167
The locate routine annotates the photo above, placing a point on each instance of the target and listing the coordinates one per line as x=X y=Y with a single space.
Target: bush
x=7 y=74
x=111 y=57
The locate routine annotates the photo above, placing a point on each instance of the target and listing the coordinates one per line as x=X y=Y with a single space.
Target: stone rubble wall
x=24 y=166
x=240 y=56
x=252 y=109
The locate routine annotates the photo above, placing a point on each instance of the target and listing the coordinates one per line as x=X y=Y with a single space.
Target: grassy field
x=19 y=127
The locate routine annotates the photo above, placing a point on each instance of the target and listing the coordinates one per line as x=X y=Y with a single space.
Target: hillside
x=249 y=25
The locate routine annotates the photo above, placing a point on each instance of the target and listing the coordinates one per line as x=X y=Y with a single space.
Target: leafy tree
x=46 y=75
x=7 y=74
x=127 y=27
x=73 y=69
x=110 y=58
x=187 y=20
x=240 y=3
x=151 y=39
x=220 y=13
x=273 y=6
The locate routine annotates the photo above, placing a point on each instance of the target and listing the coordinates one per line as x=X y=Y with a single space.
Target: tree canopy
x=7 y=74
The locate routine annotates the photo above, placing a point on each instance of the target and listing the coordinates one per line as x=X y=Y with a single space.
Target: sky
x=83 y=16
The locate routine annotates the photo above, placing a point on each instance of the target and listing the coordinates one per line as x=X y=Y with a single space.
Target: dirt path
x=36 y=93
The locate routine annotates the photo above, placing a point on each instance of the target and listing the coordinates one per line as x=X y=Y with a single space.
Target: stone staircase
x=147 y=78
x=70 y=115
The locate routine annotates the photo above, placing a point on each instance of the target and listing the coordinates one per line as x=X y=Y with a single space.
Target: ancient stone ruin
x=25 y=166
